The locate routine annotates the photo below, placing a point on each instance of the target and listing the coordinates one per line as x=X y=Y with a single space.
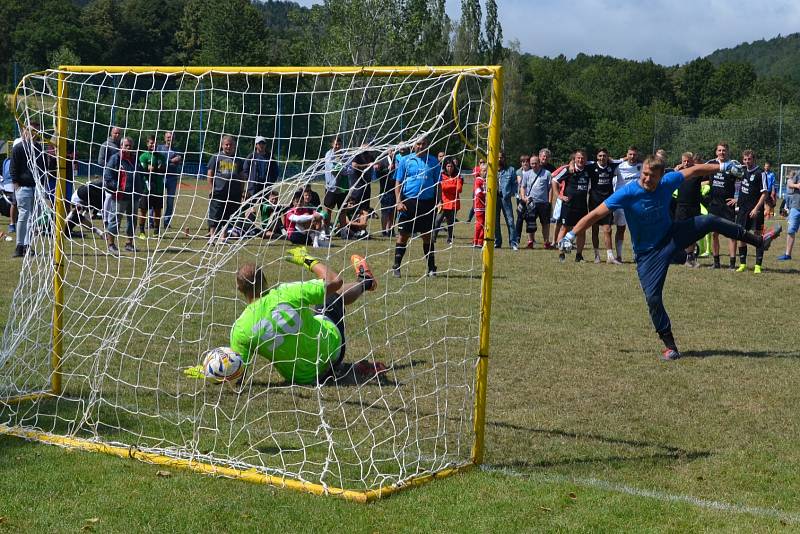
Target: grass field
x=587 y=430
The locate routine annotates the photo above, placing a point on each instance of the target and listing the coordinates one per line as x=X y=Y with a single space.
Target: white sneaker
x=514 y=247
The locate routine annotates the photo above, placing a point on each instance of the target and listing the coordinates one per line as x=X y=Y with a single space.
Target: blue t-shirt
x=418 y=176
x=647 y=213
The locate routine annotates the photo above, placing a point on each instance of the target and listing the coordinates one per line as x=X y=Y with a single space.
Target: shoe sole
x=359 y=261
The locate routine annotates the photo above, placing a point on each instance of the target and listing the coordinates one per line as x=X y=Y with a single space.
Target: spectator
x=260 y=170
x=792 y=198
x=416 y=191
x=687 y=204
x=107 y=150
x=152 y=166
x=172 y=178
x=227 y=186
x=544 y=160
x=8 y=194
x=535 y=194
x=122 y=184
x=750 y=202
x=303 y=223
x=28 y=161
x=384 y=169
x=507 y=189
x=479 y=204
x=723 y=203
x=451 y=185
x=629 y=169
x=336 y=181
x=772 y=194
x=574 y=198
x=476 y=173
x=356 y=221
x=362 y=172
x=601 y=174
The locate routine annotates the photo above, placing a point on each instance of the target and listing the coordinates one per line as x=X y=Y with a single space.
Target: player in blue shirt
x=417 y=195
x=657 y=240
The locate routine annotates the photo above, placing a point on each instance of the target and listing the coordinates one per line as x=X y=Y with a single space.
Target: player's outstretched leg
x=690 y=230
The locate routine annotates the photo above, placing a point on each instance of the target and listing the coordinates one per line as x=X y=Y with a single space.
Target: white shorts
x=619 y=218
x=556 y=215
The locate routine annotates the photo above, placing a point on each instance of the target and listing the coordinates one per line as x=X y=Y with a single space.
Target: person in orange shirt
x=479 y=205
x=451 y=185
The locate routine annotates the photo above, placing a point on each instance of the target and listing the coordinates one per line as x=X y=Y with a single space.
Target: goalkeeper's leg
x=690 y=230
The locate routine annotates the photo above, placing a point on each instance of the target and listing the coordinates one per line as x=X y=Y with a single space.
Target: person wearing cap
x=259 y=168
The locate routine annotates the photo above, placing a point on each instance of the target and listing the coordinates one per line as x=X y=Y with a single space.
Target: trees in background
x=556 y=102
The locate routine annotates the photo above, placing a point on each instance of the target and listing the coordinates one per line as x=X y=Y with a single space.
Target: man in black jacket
x=27 y=162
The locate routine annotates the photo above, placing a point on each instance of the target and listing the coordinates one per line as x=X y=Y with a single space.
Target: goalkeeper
x=657 y=240
x=299 y=326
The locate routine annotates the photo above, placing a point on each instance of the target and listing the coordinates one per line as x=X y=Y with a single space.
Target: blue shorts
x=794 y=221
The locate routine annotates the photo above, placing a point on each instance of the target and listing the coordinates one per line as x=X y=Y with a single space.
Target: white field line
x=787 y=517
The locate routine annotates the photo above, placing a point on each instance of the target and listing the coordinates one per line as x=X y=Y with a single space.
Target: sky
x=667 y=31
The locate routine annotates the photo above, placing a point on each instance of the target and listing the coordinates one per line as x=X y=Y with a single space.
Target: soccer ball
x=222 y=364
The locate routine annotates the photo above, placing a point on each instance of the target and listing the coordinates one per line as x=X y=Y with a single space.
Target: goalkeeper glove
x=299 y=256
x=733 y=167
x=567 y=242
x=195 y=372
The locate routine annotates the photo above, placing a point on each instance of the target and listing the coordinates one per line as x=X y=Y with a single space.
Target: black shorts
x=540 y=211
x=571 y=215
x=721 y=209
x=751 y=224
x=605 y=221
x=334 y=310
x=418 y=217
x=147 y=202
x=334 y=199
x=686 y=211
x=220 y=212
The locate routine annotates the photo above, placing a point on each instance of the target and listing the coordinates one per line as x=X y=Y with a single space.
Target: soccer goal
x=101 y=338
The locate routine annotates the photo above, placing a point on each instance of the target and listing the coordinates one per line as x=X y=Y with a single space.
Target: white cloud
x=667 y=31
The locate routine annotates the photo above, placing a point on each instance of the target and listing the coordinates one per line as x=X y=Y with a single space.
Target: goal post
x=120 y=328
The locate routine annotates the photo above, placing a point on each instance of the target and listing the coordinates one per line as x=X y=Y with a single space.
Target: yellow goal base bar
x=250 y=475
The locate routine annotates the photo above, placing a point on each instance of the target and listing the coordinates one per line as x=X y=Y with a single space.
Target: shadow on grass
x=522 y=465
x=733 y=353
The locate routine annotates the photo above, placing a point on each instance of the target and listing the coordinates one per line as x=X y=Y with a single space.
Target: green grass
x=587 y=430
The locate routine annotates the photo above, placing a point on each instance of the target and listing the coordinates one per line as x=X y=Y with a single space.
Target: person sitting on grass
x=657 y=240
x=303 y=223
x=299 y=326
x=264 y=218
x=356 y=221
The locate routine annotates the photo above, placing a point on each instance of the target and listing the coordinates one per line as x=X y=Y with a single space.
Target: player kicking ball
x=299 y=326
x=657 y=240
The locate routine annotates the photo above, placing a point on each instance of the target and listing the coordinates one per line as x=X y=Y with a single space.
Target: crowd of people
x=418 y=193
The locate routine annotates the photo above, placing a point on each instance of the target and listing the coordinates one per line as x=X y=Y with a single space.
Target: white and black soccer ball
x=222 y=364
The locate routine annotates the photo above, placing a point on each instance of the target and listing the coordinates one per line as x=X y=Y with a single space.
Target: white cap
x=260 y=139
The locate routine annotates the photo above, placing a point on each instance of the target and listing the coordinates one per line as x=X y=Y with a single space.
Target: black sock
x=399 y=252
x=716 y=261
x=427 y=249
x=668 y=340
x=742 y=255
x=732 y=259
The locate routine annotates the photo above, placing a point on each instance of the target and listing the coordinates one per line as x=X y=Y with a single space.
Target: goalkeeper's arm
x=300 y=256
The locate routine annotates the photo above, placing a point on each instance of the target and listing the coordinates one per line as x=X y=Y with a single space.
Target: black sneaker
x=19 y=251
x=770 y=236
x=578 y=258
x=129 y=247
x=562 y=257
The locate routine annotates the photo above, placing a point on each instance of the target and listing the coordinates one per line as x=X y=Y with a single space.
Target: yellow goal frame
x=479 y=422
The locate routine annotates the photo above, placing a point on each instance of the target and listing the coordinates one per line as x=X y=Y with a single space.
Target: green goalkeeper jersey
x=154 y=181
x=283 y=327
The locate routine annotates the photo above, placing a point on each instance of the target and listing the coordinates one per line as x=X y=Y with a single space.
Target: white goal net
x=142 y=304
